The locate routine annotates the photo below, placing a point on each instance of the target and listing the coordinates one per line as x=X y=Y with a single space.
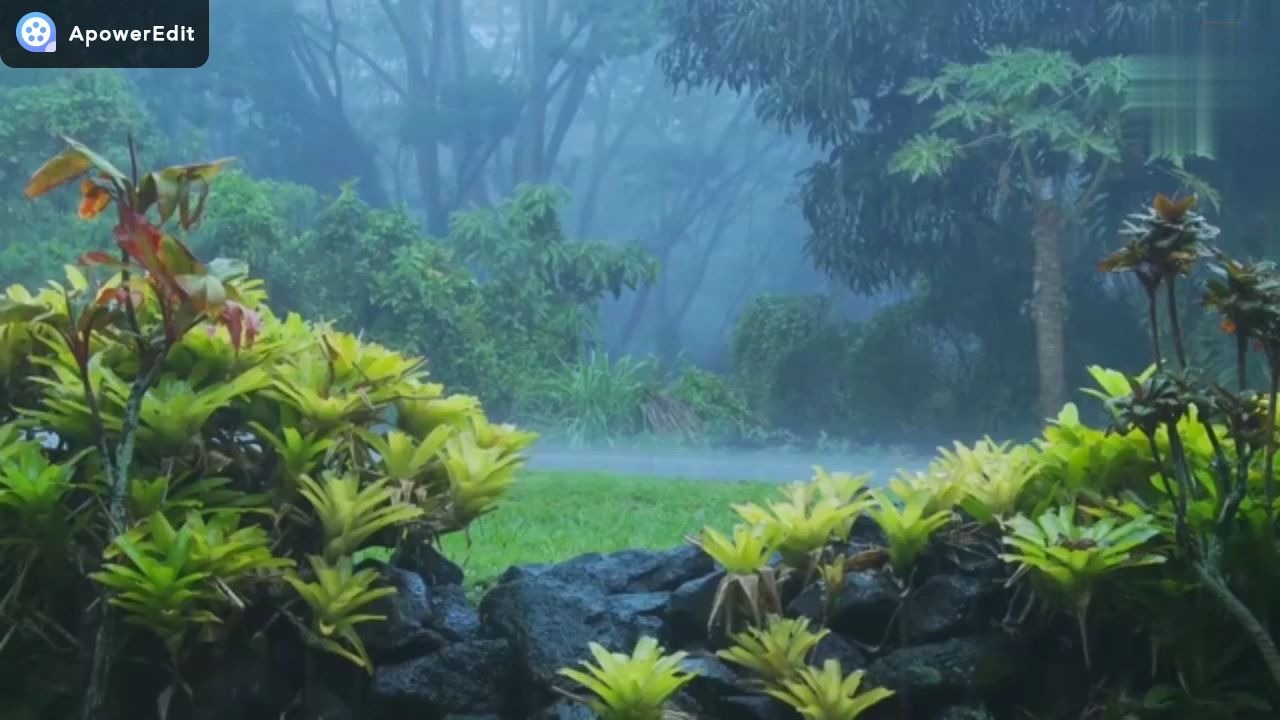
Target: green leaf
x=925 y=155
x=16 y=311
x=970 y=114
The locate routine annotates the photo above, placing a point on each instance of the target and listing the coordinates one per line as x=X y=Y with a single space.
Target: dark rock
x=453 y=614
x=963 y=712
x=684 y=704
x=977 y=556
x=567 y=710
x=629 y=571
x=689 y=608
x=862 y=610
x=247 y=680
x=754 y=707
x=866 y=533
x=835 y=647
x=649 y=604
x=465 y=677
x=408 y=630
x=320 y=704
x=714 y=682
x=550 y=625
x=425 y=560
x=945 y=606
x=959 y=668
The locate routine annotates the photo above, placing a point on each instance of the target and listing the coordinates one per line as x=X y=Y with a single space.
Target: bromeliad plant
x=829 y=694
x=631 y=687
x=1070 y=560
x=200 y=459
x=805 y=521
x=989 y=478
x=335 y=597
x=749 y=582
x=776 y=652
x=908 y=525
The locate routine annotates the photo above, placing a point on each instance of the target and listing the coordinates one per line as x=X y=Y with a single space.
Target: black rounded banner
x=104 y=33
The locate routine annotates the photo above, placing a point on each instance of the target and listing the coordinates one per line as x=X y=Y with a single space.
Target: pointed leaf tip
x=57 y=171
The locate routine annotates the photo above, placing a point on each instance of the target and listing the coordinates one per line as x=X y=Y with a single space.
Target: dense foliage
x=834 y=70
x=365 y=139
x=1161 y=524
x=492 y=306
x=895 y=375
x=182 y=471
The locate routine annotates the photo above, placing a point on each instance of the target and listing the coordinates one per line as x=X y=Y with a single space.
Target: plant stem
x=124 y=449
x=1181 y=471
x=100 y=667
x=1082 y=624
x=95 y=696
x=1180 y=532
x=1242 y=358
x=1175 y=325
x=1269 y=471
x=1242 y=615
x=1153 y=318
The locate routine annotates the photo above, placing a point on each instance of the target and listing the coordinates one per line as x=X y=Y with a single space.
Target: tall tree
x=288 y=105
x=1053 y=128
x=468 y=100
x=832 y=68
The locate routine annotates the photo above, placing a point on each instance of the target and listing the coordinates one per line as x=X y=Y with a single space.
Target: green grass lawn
x=553 y=516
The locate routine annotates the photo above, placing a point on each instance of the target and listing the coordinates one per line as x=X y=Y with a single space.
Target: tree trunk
x=530 y=165
x=1049 y=308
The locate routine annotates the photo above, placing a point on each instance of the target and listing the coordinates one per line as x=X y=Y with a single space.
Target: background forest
x=727 y=221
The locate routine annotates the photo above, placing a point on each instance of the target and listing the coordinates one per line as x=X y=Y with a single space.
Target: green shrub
x=888 y=377
x=721 y=408
x=491 y=306
x=593 y=400
x=771 y=331
x=178 y=463
x=901 y=381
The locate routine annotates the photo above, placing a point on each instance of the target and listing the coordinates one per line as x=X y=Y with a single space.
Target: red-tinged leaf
x=206 y=293
x=79 y=349
x=233 y=318
x=156 y=251
x=106 y=296
x=98 y=257
x=243 y=324
x=177 y=258
x=157 y=189
x=198 y=171
x=93 y=199
x=57 y=171
x=252 y=326
x=140 y=240
x=119 y=297
x=91 y=318
x=145 y=244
